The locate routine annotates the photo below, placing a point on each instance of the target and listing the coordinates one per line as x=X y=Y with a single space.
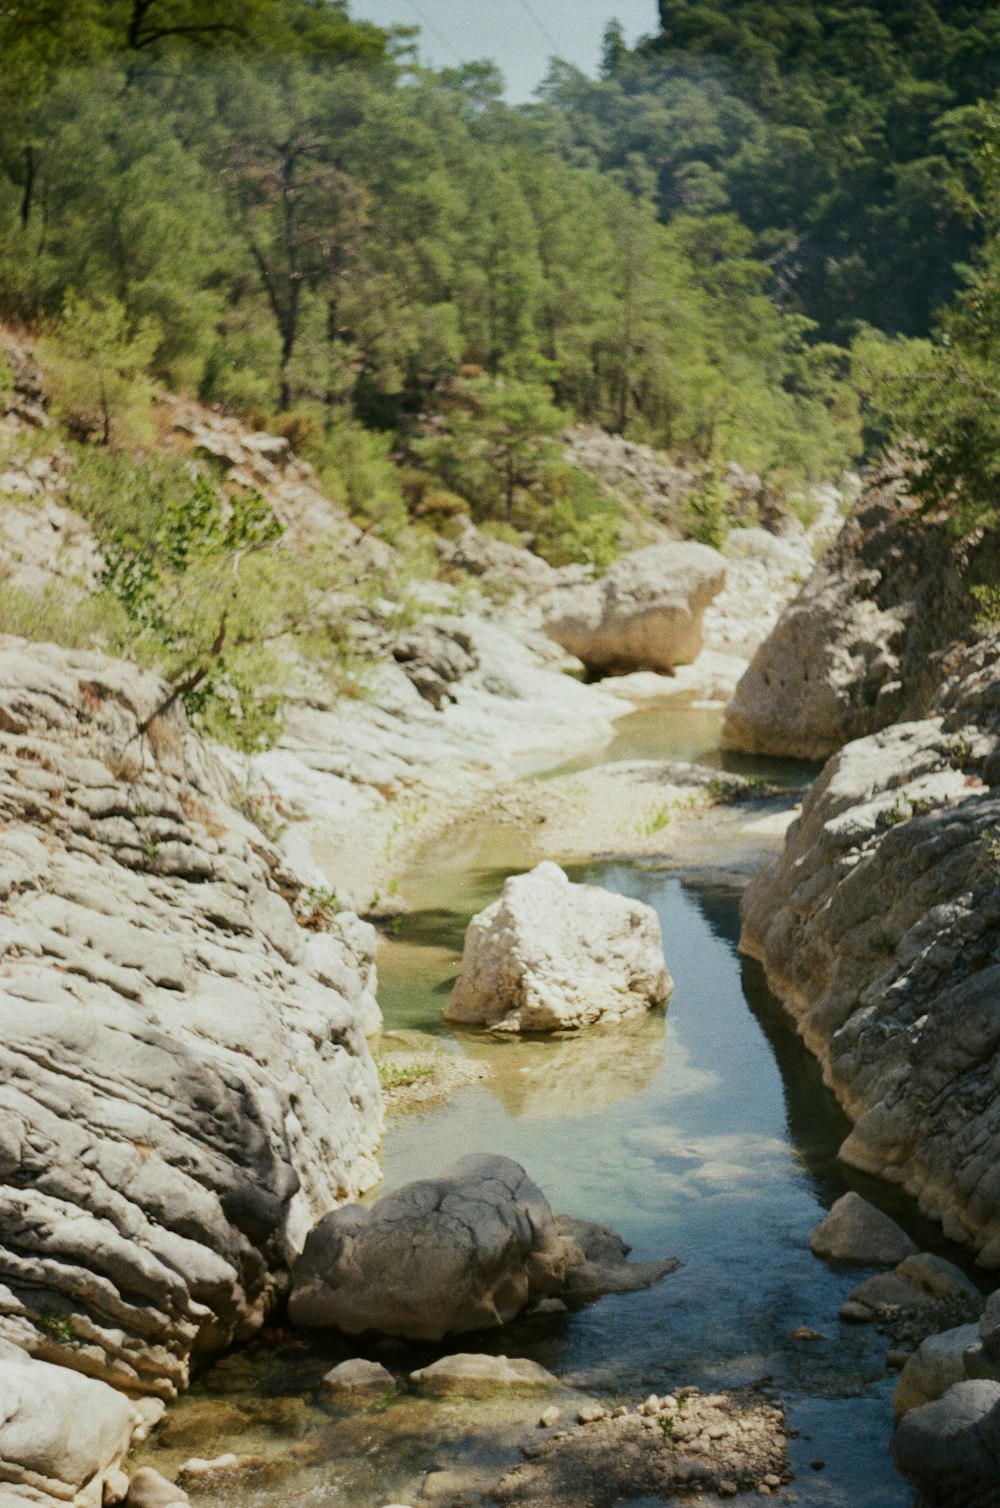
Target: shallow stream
x=704 y=1132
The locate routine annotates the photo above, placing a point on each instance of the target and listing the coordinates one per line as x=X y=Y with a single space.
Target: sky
x=518 y=35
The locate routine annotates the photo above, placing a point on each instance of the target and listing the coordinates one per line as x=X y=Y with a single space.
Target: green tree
x=97 y=364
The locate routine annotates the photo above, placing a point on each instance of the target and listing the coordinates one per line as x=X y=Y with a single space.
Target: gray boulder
x=553 y=956
x=855 y=1231
x=468 y=1250
x=644 y=614
x=935 y=1366
x=359 y=1376
x=989 y=1326
x=950 y=1449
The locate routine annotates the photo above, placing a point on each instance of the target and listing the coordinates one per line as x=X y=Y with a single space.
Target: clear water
x=704 y=1132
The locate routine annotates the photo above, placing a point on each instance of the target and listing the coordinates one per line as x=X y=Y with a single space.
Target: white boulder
x=553 y=956
x=644 y=614
x=62 y=1435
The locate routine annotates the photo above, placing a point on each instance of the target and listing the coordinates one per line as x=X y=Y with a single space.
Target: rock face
x=857 y=649
x=553 y=956
x=443 y=1256
x=644 y=614
x=184 y=1079
x=855 y=1231
x=878 y=929
x=950 y=1449
x=62 y=1436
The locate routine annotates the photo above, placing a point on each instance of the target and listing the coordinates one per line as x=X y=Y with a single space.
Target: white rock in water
x=148 y=1489
x=552 y=956
x=61 y=1434
x=359 y=1376
x=644 y=614
x=471 y=1373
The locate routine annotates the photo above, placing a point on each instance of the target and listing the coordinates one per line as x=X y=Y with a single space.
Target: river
x=704 y=1131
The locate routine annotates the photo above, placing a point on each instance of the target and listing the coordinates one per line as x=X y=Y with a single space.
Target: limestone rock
x=61 y=1435
x=877 y=929
x=644 y=614
x=855 y=1231
x=467 y=1250
x=148 y=1489
x=950 y=1449
x=184 y=1081
x=553 y=956
x=854 y=651
x=478 y=1375
x=359 y=1376
x=496 y=561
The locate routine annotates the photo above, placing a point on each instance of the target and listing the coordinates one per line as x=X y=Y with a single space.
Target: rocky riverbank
x=187 y=992
x=878 y=925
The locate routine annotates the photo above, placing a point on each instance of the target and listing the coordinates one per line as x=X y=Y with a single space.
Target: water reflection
x=577 y=1075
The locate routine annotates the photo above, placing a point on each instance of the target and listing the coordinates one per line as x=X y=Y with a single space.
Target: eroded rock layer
x=866 y=641
x=879 y=928
x=185 y=1084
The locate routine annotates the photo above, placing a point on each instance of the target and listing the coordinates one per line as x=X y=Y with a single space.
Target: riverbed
x=703 y=1131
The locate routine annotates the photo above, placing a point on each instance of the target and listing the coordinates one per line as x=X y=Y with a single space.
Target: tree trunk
x=28 y=196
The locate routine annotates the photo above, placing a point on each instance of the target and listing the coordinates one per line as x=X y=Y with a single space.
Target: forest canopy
x=269 y=205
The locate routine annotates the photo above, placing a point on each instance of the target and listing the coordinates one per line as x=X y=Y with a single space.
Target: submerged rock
x=644 y=614
x=474 y=1375
x=855 y=1231
x=553 y=956
x=468 y=1250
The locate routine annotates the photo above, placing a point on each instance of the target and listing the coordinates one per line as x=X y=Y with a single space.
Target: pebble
x=591 y=1413
x=199 y=1467
x=803 y=1332
x=771 y=1480
x=550 y=1417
